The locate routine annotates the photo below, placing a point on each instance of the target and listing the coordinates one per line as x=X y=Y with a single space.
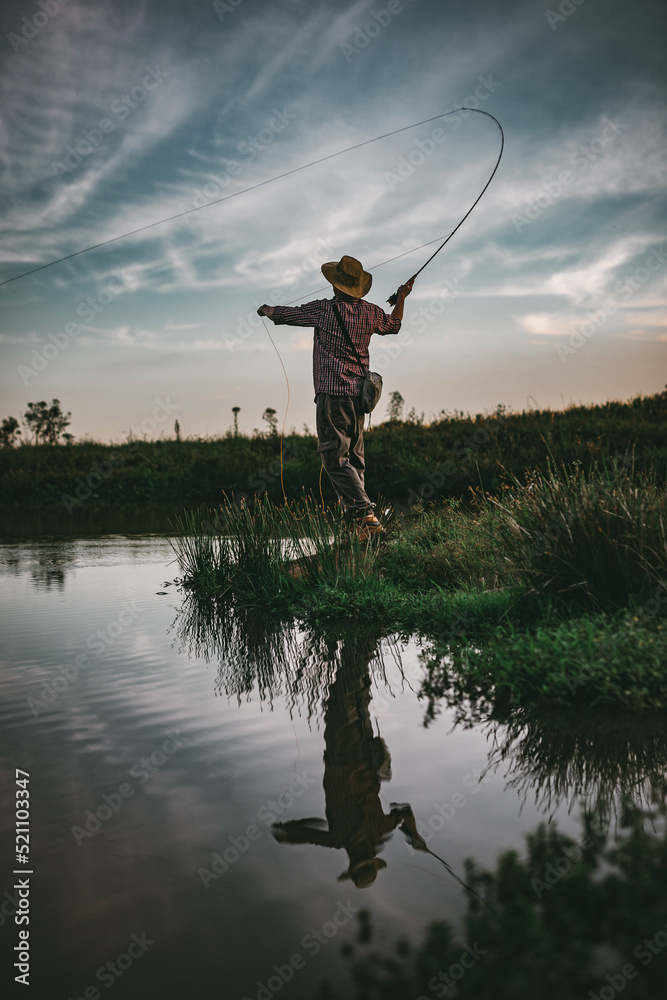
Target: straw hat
x=348 y=276
x=364 y=872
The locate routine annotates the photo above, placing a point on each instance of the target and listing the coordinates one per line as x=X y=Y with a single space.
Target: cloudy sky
x=116 y=115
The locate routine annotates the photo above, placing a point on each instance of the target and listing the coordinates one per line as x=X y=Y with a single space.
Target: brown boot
x=369 y=527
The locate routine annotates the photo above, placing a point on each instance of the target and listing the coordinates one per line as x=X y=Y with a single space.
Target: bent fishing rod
x=392 y=298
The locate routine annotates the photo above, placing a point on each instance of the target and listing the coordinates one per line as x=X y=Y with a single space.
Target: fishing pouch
x=371 y=388
x=371 y=392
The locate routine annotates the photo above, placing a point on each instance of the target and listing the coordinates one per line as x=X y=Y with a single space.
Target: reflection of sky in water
x=231 y=758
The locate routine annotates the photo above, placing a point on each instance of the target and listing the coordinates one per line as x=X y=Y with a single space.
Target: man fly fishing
x=343 y=327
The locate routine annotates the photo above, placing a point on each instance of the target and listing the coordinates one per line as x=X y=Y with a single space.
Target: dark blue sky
x=116 y=115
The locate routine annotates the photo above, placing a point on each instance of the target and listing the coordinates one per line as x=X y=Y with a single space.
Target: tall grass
x=203 y=556
x=327 y=549
x=588 y=541
x=267 y=552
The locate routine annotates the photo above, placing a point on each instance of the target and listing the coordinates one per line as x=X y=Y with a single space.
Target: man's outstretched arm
x=304 y=831
x=409 y=826
x=308 y=314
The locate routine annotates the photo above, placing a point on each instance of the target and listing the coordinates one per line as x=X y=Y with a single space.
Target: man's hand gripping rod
x=393 y=299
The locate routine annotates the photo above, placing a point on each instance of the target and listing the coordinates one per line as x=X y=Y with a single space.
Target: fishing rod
x=461 y=882
x=392 y=298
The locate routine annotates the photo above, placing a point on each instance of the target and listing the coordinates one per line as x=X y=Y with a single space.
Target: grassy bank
x=554 y=592
x=407 y=461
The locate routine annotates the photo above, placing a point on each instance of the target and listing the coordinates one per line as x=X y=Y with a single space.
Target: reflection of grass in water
x=48 y=562
x=568 y=914
x=597 y=661
x=257 y=652
x=598 y=762
x=557 y=756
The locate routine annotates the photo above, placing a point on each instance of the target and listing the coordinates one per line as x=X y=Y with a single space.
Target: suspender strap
x=347 y=336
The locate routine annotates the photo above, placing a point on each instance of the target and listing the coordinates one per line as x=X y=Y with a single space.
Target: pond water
x=214 y=798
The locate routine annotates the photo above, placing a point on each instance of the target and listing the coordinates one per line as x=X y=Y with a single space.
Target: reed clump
x=582 y=540
x=270 y=554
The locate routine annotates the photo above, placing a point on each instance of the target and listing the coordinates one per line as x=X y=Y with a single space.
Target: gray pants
x=340 y=442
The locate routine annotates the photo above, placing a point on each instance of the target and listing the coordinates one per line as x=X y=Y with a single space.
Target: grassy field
x=552 y=592
x=407 y=461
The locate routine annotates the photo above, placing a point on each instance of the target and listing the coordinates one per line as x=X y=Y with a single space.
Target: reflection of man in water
x=355 y=762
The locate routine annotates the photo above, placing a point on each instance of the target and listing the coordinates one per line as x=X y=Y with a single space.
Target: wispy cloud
x=536 y=254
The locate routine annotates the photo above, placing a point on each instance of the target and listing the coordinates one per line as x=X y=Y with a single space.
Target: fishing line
x=392 y=298
x=461 y=882
x=282 y=434
x=260 y=184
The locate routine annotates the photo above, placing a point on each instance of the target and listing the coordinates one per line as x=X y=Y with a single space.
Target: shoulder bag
x=371 y=389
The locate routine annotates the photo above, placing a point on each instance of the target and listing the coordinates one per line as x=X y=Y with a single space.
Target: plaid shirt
x=335 y=369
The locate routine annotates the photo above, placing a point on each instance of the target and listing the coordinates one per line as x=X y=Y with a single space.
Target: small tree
x=9 y=432
x=236 y=410
x=177 y=430
x=415 y=418
x=395 y=408
x=272 y=420
x=47 y=423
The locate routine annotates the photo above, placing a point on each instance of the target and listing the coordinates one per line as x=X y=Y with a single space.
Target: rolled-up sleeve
x=309 y=314
x=386 y=324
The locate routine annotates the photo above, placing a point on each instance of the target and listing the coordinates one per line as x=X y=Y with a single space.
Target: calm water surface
x=210 y=801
